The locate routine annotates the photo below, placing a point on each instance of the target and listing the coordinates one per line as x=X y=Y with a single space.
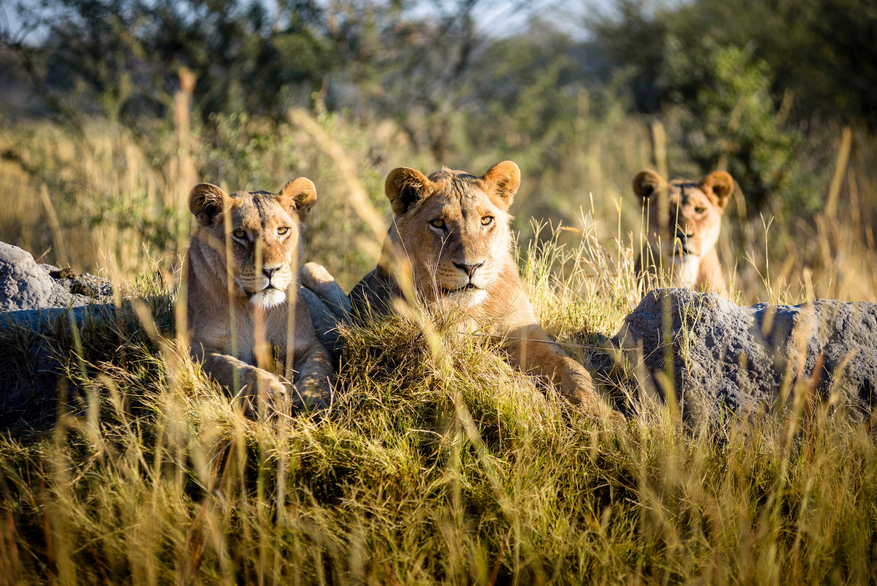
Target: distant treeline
x=745 y=81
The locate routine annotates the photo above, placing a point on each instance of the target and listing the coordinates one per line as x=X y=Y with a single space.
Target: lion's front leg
x=253 y=381
x=532 y=351
x=312 y=363
x=313 y=385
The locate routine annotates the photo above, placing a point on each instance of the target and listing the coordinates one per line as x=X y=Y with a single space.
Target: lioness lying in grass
x=256 y=245
x=451 y=236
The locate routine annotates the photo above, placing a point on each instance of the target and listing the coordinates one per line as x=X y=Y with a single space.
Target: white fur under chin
x=477 y=297
x=463 y=300
x=268 y=298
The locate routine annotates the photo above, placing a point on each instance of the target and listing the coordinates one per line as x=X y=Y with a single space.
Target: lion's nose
x=468 y=269
x=269 y=272
x=684 y=235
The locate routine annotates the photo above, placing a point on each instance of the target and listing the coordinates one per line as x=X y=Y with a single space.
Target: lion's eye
x=438 y=223
x=282 y=230
x=239 y=233
x=699 y=210
x=486 y=220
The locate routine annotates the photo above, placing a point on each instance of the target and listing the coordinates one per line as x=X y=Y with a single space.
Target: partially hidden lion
x=690 y=222
x=451 y=237
x=267 y=226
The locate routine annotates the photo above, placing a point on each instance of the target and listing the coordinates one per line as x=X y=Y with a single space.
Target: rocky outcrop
x=34 y=300
x=28 y=289
x=746 y=359
x=25 y=285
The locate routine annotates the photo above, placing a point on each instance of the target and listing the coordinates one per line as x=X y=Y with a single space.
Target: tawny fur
x=275 y=222
x=451 y=236
x=687 y=249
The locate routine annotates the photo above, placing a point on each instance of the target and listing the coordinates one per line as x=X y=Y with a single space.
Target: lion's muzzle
x=469 y=269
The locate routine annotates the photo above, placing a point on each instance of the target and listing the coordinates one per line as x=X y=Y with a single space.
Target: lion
x=451 y=238
x=264 y=231
x=694 y=215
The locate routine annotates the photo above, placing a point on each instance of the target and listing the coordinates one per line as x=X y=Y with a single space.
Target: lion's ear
x=501 y=183
x=299 y=195
x=404 y=187
x=648 y=183
x=718 y=186
x=205 y=202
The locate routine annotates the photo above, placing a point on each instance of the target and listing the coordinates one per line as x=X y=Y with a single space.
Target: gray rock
x=35 y=300
x=82 y=284
x=747 y=359
x=25 y=285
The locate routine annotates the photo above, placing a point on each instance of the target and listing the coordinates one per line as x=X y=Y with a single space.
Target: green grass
x=437 y=462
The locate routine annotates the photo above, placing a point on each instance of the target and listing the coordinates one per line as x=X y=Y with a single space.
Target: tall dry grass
x=438 y=462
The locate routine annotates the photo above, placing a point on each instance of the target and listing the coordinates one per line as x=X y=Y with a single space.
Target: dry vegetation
x=437 y=462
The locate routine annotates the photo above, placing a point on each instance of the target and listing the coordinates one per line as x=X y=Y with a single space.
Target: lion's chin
x=268 y=298
x=467 y=296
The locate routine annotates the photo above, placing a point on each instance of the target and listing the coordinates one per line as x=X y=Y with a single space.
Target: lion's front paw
x=593 y=405
x=261 y=383
x=581 y=391
x=613 y=418
x=312 y=395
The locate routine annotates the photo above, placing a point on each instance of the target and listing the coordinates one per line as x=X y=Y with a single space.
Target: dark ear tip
x=205 y=202
x=404 y=186
x=502 y=182
x=300 y=195
x=399 y=176
x=197 y=191
x=720 y=182
x=205 y=197
x=646 y=183
x=505 y=167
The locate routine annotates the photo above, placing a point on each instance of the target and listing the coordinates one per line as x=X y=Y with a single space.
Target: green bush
x=730 y=119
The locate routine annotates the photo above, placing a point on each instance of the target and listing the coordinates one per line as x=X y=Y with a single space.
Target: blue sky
x=499 y=17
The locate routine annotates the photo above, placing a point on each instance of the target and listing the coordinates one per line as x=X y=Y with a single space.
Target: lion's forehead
x=452 y=204
x=457 y=210
x=687 y=193
x=457 y=185
x=459 y=179
x=255 y=210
